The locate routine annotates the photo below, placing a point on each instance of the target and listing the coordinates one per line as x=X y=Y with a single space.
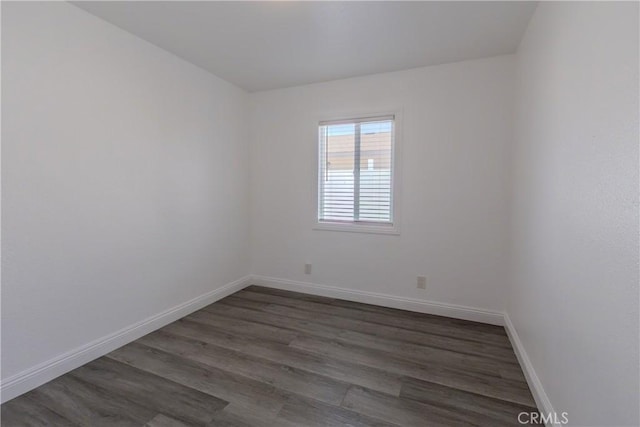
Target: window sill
x=357 y=228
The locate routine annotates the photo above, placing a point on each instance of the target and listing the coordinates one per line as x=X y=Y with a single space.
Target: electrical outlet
x=422 y=282
x=307 y=269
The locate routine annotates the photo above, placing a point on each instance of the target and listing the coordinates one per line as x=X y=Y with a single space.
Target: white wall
x=574 y=286
x=124 y=181
x=456 y=128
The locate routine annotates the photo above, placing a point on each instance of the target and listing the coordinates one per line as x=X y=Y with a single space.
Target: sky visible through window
x=366 y=128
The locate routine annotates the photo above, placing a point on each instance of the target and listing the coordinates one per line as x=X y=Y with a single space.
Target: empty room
x=305 y=213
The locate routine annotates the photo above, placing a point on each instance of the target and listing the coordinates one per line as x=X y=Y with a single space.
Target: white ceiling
x=267 y=45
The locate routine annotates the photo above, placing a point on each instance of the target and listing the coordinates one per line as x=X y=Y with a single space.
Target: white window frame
x=365 y=227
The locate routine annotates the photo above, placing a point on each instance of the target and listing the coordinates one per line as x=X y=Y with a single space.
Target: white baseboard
x=385 y=300
x=535 y=385
x=44 y=372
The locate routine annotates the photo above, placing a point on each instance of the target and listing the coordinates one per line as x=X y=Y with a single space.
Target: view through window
x=356 y=171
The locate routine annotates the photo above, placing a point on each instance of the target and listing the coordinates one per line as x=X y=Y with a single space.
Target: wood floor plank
x=254 y=305
x=406 y=413
x=421 y=317
x=309 y=413
x=444 y=329
x=514 y=373
x=407 y=350
x=459 y=378
x=85 y=405
x=240 y=326
x=255 y=397
x=282 y=376
x=297 y=295
x=150 y=391
x=231 y=308
x=330 y=327
x=473 y=361
x=346 y=325
x=273 y=358
x=26 y=412
x=161 y=420
x=233 y=416
x=347 y=372
x=494 y=411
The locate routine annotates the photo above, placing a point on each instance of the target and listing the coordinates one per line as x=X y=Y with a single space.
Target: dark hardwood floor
x=265 y=357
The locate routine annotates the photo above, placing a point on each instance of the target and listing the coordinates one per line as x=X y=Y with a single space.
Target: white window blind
x=356 y=171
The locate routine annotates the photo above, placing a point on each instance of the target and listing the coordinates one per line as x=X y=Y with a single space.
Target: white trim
x=535 y=385
x=46 y=371
x=385 y=300
x=358 y=119
x=357 y=228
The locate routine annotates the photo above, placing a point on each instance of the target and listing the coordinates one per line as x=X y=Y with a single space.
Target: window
x=356 y=173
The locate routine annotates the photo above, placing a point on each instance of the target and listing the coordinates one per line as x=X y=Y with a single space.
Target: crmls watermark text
x=551 y=418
